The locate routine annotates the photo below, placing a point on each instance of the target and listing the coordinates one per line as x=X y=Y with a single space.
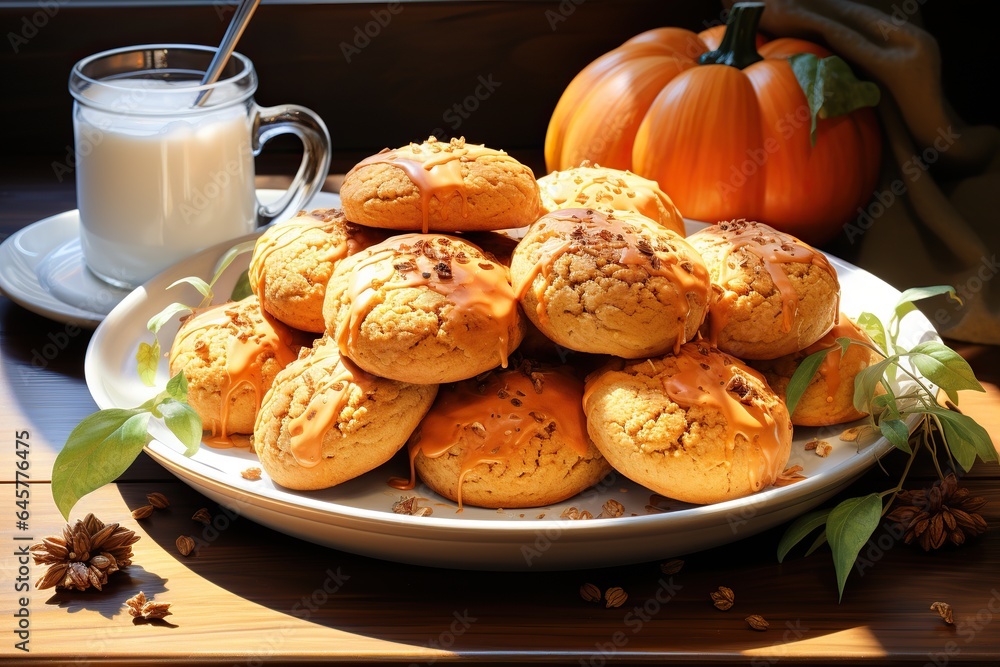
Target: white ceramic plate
x=357 y=516
x=42 y=268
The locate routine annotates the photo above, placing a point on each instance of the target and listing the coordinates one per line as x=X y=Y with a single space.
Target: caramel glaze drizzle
x=594 y=187
x=496 y=419
x=830 y=368
x=252 y=340
x=716 y=381
x=350 y=239
x=447 y=265
x=774 y=248
x=435 y=168
x=600 y=234
x=339 y=377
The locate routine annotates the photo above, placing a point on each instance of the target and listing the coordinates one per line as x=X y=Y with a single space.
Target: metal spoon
x=233 y=33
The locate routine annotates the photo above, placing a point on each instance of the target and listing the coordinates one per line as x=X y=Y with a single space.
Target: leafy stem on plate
x=104 y=444
x=148 y=355
x=848 y=526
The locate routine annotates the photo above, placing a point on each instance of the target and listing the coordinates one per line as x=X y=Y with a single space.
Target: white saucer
x=42 y=268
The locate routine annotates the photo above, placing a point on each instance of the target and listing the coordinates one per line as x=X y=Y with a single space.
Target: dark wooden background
x=399 y=86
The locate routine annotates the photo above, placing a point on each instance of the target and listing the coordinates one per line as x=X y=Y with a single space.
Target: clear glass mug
x=160 y=177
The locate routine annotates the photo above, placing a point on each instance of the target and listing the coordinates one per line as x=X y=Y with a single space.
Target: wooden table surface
x=253 y=596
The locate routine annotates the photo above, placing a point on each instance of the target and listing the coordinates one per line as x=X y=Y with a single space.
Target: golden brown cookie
x=441 y=186
x=514 y=439
x=772 y=294
x=829 y=398
x=325 y=421
x=610 y=283
x=230 y=355
x=423 y=308
x=698 y=426
x=292 y=262
x=609 y=190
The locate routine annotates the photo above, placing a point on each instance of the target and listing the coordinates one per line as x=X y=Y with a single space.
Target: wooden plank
x=250 y=593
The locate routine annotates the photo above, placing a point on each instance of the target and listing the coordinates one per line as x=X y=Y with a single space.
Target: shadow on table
x=109 y=602
x=468 y=611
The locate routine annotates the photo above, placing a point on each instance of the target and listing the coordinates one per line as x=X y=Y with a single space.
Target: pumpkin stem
x=739 y=44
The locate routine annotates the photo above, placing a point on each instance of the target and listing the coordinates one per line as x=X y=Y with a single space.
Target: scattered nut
x=790 y=475
x=823 y=448
x=185 y=545
x=851 y=435
x=147 y=610
x=757 y=622
x=612 y=508
x=944 y=610
x=671 y=566
x=570 y=513
x=158 y=500
x=202 y=516
x=410 y=505
x=253 y=474
x=590 y=593
x=615 y=597
x=723 y=598
x=142 y=512
x=811 y=445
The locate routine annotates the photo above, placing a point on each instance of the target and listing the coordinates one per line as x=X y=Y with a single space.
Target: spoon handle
x=233 y=33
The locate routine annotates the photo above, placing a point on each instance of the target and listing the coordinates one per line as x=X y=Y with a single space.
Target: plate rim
x=334 y=513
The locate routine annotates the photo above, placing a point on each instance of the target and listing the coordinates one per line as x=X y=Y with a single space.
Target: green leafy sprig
x=848 y=526
x=105 y=444
x=148 y=355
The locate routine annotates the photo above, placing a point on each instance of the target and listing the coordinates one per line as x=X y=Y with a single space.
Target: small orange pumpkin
x=725 y=141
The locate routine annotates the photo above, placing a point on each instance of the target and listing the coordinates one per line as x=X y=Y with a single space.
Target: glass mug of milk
x=165 y=165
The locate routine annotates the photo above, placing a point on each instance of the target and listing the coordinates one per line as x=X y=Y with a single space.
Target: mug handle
x=311 y=130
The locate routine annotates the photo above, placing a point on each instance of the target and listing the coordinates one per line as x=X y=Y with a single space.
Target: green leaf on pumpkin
x=830 y=87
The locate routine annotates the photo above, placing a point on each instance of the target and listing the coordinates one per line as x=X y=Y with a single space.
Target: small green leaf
x=150 y=405
x=799 y=529
x=183 y=422
x=866 y=381
x=231 y=254
x=906 y=299
x=885 y=406
x=242 y=288
x=965 y=438
x=848 y=528
x=830 y=87
x=148 y=359
x=203 y=288
x=844 y=342
x=157 y=321
x=872 y=326
x=177 y=387
x=98 y=450
x=944 y=367
x=801 y=378
x=817 y=543
x=896 y=432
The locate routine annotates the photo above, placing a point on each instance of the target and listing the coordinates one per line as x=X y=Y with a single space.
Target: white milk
x=154 y=188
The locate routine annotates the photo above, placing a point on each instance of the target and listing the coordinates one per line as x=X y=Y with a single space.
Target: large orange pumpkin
x=723 y=140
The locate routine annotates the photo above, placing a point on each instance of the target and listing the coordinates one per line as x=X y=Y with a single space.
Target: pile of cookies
x=411 y=318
